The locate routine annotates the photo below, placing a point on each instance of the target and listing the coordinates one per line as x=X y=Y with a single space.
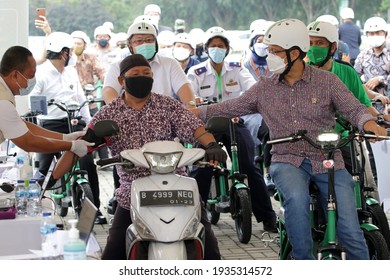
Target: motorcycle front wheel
x=242 y=214
x=380 y=220
x=377 y=247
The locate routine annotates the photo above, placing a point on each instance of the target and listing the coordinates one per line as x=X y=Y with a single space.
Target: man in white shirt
x=60 y=83
x=17 y=77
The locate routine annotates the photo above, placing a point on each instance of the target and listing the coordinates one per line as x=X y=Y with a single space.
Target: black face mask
x=139 y=86
x=103 y=42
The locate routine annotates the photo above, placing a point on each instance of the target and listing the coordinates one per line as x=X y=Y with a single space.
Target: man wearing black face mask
x=144 y=117
x=60 y=82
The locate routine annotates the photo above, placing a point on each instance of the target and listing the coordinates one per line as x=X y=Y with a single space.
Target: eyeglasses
x=273 y=51
x=140 y=41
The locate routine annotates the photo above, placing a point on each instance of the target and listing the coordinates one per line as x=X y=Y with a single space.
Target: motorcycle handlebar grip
x=106 y=161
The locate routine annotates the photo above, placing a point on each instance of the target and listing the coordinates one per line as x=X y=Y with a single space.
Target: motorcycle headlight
x=163 y=163
x=142 y=229
x=328 y=137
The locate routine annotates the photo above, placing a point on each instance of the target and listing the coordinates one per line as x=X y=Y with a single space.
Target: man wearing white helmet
x=103 y=49
x=183 y=50
x=60 y=82
x=373 y=64
x=301 y=97
x=154 y=11
x=342 y=52
x=197 y=35
x=165 y=41
x=169 y=78
x=220 y=80
x=323 y=45
x=349 y=33
x=17 y=77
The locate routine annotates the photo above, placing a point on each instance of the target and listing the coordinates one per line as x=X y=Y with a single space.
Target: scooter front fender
x=167 y=251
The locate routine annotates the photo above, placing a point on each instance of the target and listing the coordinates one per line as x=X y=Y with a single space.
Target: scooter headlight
x=142 y=229
x=163 y=163
x=328 y=137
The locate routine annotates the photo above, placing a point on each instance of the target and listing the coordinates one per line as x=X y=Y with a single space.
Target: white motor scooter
x=165 y=207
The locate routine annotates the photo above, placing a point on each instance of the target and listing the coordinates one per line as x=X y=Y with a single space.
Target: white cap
x=166 y=38
x=197 y=35
x=288 y=33
x=56 y=41
x=329 y=18
x=374 y=24
x=152 y=8
x=82 y=35
x=141 y=28
x=347 y=13
x=109 y=25
x=325 y=30
x=185 y=39
x=101 y=30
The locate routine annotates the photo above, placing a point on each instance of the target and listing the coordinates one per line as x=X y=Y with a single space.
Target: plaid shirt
x=310 y=104
x=87 y=67
x=162 y=118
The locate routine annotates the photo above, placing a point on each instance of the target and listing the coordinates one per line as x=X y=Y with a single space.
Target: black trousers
x=261 y=202
x=86 y=163
x=116 y=241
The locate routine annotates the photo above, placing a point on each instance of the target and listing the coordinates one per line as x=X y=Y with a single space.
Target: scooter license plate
x=166 y=198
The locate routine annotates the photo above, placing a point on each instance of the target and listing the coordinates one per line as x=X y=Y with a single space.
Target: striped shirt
x=310 y=104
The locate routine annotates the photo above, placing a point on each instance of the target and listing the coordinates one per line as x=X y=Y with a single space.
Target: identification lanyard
x=257 y=70
x=219 y=84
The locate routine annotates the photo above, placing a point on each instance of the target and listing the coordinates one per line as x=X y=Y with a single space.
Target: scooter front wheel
x=242 y=214
x=377 y=247
x=380 y=220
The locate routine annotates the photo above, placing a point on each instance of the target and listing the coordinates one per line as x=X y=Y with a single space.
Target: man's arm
x=186 y=95
x=37 y=130
x=109 y=94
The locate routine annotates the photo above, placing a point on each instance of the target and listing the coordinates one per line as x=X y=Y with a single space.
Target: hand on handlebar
x=371 y=126
x=215 y=154
x=74 y=135
x=80 y=147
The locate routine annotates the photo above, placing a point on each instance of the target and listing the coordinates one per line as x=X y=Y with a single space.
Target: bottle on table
x=75 y=248
x=49 y=240
x=21 y=197
x=34 y=207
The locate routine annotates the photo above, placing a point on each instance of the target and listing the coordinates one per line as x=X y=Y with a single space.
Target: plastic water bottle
x=75 y=248
x=48 y=231
x=21 y=197
x=34 y=206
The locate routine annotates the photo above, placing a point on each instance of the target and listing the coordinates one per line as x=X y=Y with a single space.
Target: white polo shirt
x=234 y=80
x=61 y=87
x=168 y=76
x=11 y=125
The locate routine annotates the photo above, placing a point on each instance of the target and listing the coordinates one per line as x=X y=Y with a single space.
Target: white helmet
x=256 y=23
x=324 y=29
x=288 y=33
x=347 y=13
x=166 y=38
x=152 y=8
x=329 y=18
x=109 y=25
x=81 y=35
x=185 y=39
x=197 y=35
x=56 y=41
x=261 y=29
x=146 y=18
x=375 y=24
x=101 y=30
x=141 y=28
x=215 y=31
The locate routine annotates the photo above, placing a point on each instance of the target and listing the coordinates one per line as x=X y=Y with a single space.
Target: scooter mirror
x=106 y=128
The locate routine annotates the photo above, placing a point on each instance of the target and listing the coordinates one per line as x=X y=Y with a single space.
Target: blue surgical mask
x=217 y=54
x=30 y=85
x=148 y=50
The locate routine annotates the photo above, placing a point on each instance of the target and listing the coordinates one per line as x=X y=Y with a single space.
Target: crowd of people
x=292 y=76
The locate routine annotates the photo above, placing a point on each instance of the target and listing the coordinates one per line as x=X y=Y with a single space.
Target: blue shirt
x=350 y=33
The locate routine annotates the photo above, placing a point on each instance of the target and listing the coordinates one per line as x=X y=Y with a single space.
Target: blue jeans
x=293 y=184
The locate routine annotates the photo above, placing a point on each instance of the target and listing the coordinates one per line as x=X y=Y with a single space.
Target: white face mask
x=181 y=54
x=275 y=63
x=260 y=49
x=376 y=41
x=165 y=52
x=30 y=85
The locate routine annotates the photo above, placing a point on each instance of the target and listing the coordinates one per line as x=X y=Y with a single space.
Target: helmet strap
x=289 y=65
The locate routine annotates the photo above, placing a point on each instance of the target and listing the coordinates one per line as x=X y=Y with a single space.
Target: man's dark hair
x=15 y=58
